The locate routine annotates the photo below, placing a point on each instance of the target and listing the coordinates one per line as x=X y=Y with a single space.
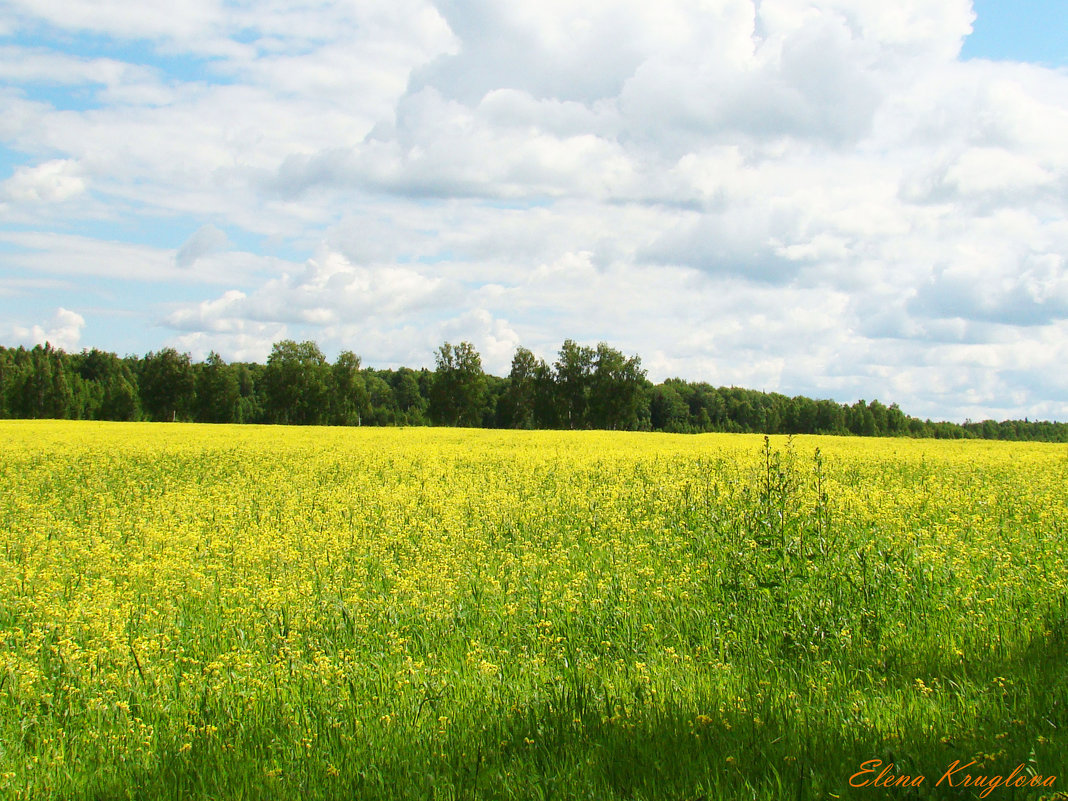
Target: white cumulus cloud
x=63 y=331
x=50 y=182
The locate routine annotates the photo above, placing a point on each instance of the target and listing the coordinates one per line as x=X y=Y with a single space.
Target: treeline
x=584 y=387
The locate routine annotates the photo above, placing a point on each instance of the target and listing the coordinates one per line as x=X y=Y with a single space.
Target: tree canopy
x=584 y=387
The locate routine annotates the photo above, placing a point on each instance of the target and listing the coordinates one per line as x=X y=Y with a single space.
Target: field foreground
x=213 y=612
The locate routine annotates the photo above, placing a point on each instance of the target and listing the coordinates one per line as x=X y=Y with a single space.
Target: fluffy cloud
x=810 y=196
x=330 y=295
x=64 y=331
x=51 y=182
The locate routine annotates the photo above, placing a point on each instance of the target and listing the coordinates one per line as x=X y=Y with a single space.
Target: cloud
x=68 y=254
x=252 y=85
x=63 y=331
x=90 y=262
x=810 y=196
x=252 y=344
x=50 y=182
x=329 y=290
x=26 y=65
x=216 y=326
x=1008 y=283
x=344 y=306
x=150 y=19
x=205 y=240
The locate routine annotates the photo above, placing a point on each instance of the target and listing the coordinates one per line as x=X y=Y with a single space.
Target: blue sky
x=1020 y=30
x=839 y=198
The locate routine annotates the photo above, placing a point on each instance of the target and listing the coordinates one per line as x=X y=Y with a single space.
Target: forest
x=583 y=388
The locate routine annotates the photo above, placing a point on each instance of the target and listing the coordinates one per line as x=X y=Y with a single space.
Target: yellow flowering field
x=251 y=612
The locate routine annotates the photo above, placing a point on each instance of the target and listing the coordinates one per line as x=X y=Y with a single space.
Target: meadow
x=224 y=612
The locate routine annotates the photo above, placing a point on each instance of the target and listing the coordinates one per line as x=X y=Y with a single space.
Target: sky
x=846 y=199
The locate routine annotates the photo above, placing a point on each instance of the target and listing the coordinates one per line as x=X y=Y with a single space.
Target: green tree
x=382 y=402
x=861 y=419
x=459 y=395
x=896 y=422
x=546 y=401
x=7 y=377
x=252 y=400
x=55 y=386
x=668 y=411
x=107 y=386
x=574 y=369
x=31 y=382
x=167 y=385
x=411 y=402
x=121 y=400
x=348 y=391
x=218 y=391
x=39 y=384
x=879 y=413
x=830 y=417
x=616 y=389
x=802 y=418
x=517 y=406
x=296 y=384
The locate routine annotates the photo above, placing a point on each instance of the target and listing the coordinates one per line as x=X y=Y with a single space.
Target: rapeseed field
x=216 y=612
